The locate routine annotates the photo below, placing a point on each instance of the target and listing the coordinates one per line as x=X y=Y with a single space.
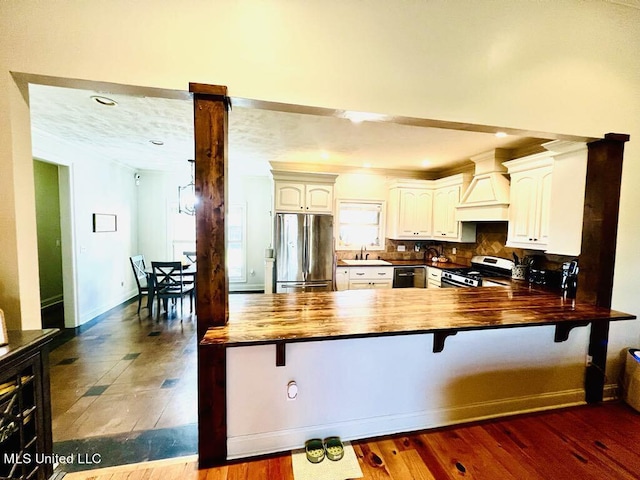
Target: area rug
x=344 y=469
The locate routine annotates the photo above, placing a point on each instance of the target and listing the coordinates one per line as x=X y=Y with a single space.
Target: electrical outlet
x=454 y=250
x=292 y=390
x=588 y=360
x=401 y=248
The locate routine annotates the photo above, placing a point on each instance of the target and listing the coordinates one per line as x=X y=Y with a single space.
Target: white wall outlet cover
x=292 y=390
x=401 y=248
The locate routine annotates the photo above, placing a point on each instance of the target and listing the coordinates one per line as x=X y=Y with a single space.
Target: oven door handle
x=446 y=282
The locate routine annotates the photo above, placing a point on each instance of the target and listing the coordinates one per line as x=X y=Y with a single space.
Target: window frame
x=381 y=224
x=242 y=278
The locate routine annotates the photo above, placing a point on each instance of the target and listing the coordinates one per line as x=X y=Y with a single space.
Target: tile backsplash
x=491 y=238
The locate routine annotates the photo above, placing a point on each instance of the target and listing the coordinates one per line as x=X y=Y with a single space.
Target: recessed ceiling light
x=426 y=163
x=324 y=155
x=106 y=101
x=366 y=165
x=501 y=134
x=156 y=142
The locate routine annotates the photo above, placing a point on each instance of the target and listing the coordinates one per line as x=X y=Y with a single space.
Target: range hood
x=487 y=198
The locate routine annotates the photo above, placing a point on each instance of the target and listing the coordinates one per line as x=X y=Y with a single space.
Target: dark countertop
x=411 y=263
x=298 y=317
x=23 y=340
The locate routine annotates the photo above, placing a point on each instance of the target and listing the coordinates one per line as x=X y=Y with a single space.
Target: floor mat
x=344 y=469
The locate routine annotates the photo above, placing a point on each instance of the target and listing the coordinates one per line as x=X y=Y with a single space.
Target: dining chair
x=142 y=280
x=170 y=284
x=190 y=256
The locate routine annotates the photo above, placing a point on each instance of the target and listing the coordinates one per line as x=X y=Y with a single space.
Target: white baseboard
x=611 y=392
x=271 y=442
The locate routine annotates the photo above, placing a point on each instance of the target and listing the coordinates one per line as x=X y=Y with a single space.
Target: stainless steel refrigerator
x=304 y=252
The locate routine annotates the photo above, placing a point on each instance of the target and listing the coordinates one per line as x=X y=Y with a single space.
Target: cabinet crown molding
x=306 y=177
x=537 y=160
x=563 y=147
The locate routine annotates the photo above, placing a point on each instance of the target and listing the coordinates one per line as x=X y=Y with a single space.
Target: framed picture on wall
x=105 y=222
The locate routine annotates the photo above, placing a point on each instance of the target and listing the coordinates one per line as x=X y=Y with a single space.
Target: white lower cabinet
x=342 y=278
x=361 y=278
x=434 y=277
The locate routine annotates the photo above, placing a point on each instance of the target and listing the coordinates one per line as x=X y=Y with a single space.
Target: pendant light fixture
x=187 y=194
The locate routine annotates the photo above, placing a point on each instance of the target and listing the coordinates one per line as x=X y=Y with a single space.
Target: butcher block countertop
x=256 y=319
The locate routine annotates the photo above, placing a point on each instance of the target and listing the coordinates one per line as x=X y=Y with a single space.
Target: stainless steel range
x=482 y=266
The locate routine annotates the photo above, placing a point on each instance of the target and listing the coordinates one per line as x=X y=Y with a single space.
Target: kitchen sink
x=366 y=262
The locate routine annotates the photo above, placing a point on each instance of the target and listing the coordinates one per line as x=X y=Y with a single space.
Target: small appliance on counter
x=569 y=281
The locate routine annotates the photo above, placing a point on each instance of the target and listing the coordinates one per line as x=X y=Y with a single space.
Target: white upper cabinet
x=410 y=211
x=426 y=210
x=567 y=197
x=319 y=198
x=553 y=178
x=447 y=194
x=299 y=192
x=290 y=196
x=529 y=209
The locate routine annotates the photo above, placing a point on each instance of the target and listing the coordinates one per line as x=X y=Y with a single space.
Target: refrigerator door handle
x=305 y=249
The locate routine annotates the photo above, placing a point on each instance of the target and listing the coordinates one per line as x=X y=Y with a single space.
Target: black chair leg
x=139 y=303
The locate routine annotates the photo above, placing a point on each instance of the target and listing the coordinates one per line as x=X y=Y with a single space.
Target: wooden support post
x=212 y=405
x=597 y=259
x=210 y=130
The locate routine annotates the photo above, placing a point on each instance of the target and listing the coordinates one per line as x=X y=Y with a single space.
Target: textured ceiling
x=123 y=134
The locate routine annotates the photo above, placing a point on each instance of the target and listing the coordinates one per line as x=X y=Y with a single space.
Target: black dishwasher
x=410 y=277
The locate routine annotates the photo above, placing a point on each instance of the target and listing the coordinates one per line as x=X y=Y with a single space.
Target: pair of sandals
x=317 y=449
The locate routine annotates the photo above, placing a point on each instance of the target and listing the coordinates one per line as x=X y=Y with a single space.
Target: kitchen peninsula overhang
x=279 y=319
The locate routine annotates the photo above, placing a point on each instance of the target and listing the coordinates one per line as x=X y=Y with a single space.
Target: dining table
x=189 y=271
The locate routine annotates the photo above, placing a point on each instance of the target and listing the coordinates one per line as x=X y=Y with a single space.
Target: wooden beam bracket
x=563 y=329
x=281 y=354
x=439 y=337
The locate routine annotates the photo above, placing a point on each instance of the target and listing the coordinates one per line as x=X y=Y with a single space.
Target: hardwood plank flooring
x=589 y=442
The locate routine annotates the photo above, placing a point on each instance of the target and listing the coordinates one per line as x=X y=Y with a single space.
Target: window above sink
x=360 y=224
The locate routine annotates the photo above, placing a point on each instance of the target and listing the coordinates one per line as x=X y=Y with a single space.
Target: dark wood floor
x=591 y=442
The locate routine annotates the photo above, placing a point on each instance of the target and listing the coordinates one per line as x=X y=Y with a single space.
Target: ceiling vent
x=487 y=198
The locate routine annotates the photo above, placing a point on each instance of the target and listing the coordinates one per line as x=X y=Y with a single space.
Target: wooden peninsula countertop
x=256 y=319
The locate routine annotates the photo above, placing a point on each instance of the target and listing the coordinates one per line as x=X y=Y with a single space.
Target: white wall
x=256 y=193
x=157 y=197
x=104 y=273
x=160 y=226
x=367 y=387
x=567 y=66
